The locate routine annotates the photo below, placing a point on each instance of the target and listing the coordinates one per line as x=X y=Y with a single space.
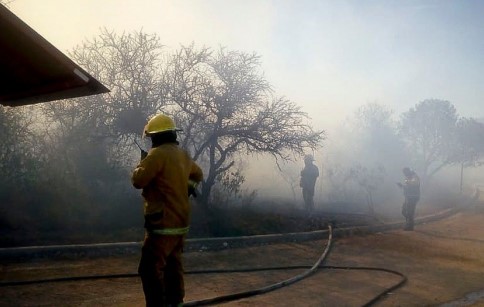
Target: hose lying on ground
x=235 y=296
x=221 y=299
x=243 y=270
x=266 y=289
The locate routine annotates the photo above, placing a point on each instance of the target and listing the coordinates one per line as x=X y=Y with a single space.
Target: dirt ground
x=443 y=261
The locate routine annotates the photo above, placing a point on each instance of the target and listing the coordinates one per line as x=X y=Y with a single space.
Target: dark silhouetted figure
x=411 y=191
x=309 y=174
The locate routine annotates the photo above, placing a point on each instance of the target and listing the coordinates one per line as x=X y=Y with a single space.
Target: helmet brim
x=161 y=131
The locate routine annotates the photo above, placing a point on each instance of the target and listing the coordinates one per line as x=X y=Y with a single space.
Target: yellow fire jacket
x=163 y=175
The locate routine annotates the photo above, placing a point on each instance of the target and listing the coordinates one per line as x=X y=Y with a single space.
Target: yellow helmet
x=159 y=123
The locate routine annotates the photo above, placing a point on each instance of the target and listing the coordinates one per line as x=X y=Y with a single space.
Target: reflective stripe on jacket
x=170 y=231
x=411 y=187
x=163 y=175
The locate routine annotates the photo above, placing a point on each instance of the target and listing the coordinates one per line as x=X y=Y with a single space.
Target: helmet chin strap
x=143 y=134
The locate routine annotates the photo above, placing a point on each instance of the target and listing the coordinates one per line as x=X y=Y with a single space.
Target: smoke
x=130 y=121
x=360 y=163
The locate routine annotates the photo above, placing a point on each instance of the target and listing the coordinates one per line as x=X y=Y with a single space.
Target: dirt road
x=443 y=261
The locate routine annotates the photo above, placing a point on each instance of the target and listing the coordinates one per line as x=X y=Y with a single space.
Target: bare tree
x=226 y=107
x=221 y=100
x=373 y=116
x=369 y=179
x=375 y=138
x=21 y=166
x=89 y=140
x=469 y=147
x=429 y=129
x=130 y=66
x=15 y=149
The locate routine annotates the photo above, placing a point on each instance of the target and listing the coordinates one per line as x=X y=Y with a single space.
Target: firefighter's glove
x=192 y=192
x=143 y=154
x=192 y=188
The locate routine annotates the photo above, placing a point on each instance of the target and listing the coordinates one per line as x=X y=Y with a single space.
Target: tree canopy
x=220 y=98
x=429 y=129
x=66 y=164
x=227 y=108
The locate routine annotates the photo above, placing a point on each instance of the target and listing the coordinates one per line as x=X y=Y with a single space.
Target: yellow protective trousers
x=161 y=270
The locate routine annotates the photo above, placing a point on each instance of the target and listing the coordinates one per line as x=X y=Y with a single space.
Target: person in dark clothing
x=309 y=174
x=411 y=192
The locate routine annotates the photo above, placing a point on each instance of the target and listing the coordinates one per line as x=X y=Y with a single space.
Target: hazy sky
x=327 y=56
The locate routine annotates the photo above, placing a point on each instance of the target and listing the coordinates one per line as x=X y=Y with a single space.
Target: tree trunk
x=207 y=190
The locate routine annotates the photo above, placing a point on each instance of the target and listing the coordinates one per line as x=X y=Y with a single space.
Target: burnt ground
x=247 y=222
x=443 y=261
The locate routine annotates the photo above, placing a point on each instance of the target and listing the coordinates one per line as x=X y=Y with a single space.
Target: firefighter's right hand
x=143 y=154
x=192 y=188
x=192 y=192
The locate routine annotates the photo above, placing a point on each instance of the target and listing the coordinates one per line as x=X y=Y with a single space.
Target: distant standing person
x=411 y=191
x=168 y=176
x=309 y=174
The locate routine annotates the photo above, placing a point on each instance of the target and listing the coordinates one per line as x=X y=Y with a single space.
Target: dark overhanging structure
x=32 y=70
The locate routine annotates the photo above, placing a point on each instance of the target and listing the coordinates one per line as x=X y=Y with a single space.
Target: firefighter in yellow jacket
x=167 y=176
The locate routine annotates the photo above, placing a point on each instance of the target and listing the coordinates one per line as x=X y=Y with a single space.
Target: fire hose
x=310 y=270
x=245 y=294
